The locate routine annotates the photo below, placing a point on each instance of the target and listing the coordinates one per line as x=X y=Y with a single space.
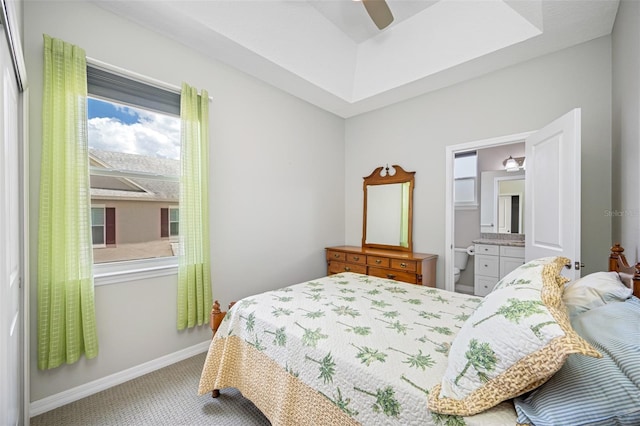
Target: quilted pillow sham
x=516 y=339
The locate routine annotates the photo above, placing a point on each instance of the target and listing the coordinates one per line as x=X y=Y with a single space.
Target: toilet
x=460 y=259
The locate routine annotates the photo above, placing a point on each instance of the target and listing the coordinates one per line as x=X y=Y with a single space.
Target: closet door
x=11 y=294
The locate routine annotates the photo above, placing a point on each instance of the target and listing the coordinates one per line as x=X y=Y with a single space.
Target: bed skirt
x=282 y=398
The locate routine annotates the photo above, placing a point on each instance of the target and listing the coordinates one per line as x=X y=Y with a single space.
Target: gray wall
x=517 y=99
x=277 y=188
x=625 y=207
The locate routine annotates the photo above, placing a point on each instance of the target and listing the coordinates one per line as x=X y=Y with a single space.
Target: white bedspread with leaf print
x=372 y=346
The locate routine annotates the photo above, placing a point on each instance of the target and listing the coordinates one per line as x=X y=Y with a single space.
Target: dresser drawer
x=487 y=265
x=338 y=267
x=405 y=265
x=336 y=255
x=381 y=262
x=392 y=274
x=360 y=259
x=489 y=249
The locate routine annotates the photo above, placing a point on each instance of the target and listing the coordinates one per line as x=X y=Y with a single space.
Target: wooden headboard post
x=618 y=262
x=216 y=316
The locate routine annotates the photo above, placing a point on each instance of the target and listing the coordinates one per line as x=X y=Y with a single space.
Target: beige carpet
x=165 y=397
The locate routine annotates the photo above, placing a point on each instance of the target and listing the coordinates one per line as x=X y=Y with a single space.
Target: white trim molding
x=133 y=270
x=58 y=400
x=449 y=283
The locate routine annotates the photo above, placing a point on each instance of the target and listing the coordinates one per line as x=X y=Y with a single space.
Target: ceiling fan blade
x=379 y=12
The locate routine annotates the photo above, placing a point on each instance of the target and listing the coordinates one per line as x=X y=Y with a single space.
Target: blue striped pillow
x=594 y=391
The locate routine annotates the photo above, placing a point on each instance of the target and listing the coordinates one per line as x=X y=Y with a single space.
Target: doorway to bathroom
x=552 y=215
x=488 y=200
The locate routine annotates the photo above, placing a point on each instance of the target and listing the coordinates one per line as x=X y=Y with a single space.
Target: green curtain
x=66 y=310
x=194 y=270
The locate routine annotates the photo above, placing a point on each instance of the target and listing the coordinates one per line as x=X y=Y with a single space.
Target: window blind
x=115 y=87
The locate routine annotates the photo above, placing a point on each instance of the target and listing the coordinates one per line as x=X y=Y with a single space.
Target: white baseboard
x=467 y=289
x=58 y=400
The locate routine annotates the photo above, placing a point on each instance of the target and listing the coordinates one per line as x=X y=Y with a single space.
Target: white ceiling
x=329 y=53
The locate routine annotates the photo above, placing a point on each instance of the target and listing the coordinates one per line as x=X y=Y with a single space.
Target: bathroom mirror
x=388 y=209
x=502 y=202
x=510 y=206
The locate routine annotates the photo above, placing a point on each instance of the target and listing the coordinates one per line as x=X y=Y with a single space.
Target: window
x=134 y=158
x=169 y=222
x=465 y=173
x=174 y=221
x=98 y=226
x=103 y=225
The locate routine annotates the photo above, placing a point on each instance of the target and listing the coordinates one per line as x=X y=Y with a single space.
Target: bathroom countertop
x=511 y=243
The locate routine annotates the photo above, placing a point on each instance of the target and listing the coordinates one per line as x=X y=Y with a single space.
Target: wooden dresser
x=410 y=267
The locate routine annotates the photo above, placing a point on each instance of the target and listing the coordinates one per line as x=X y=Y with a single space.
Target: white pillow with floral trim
x=516 y=339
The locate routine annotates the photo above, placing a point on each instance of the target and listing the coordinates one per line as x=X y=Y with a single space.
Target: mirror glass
x=510 y=206
x=502 y=202
x=388 y=213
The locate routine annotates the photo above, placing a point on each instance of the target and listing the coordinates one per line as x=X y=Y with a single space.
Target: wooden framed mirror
x=387 y=220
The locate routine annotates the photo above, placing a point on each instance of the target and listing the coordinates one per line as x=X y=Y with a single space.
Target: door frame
x=11 y=25
x=450 y=152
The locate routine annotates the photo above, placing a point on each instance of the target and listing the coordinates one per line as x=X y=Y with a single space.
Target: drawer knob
x=391 y=276
x=356 y=257
x=346 y=268
x=403 y=265
x=378 y=261
x=336 y=255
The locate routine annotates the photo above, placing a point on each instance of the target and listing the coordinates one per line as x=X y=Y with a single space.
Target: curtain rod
x=135 y=76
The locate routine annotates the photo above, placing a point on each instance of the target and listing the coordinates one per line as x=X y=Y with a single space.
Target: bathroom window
x=465 y=175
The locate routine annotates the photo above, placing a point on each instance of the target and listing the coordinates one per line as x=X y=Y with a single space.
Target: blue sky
x=121 y=128
x=98 y=108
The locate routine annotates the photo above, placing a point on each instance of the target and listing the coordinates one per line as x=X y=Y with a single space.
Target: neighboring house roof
x=120 y=188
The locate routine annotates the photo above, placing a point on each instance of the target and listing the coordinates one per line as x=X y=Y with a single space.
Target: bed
x=356 y=349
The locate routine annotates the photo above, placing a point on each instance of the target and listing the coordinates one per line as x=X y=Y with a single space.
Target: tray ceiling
x=330 y=53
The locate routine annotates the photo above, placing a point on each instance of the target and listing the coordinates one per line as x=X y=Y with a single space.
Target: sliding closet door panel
x=11 y=357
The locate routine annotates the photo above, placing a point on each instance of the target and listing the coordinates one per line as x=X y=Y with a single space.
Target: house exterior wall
x=138 y=231
x=136 y=221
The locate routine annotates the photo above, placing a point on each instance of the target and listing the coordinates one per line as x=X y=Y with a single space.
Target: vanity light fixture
x=514 y=164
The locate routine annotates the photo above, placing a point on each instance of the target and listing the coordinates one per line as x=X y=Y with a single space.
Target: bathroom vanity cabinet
x=492 y=263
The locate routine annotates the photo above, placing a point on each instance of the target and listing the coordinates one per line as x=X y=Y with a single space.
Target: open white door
x=552 y=192
x=504 y=214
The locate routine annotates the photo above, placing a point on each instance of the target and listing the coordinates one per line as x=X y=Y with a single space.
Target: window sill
x=133 y=270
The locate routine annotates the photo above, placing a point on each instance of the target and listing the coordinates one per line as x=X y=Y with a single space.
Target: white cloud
x=155 y=135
